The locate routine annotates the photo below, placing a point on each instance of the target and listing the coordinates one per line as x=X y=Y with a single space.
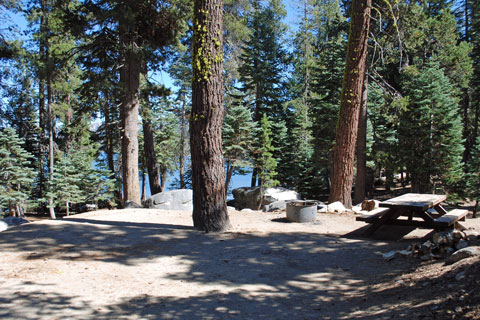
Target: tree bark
x=163 y=178
x=360 y=181
x=182 y=143
x=108 y=137
x=50 y=119
x=230 y=170
x=352 y=89
x=208 y=172
x=149 y=149
x=130 y=79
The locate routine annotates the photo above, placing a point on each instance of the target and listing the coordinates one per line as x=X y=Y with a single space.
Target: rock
x=474 y=235
x=246 y=210
x=356 y=209
x=250 y=197
x=275 y=206
x=90 y=207
x=370 y=205
x=231 y=208
x=279 y=194
x=427 y=257
x=441 y=238
x=3 y=226
x=246 y=198
x=389 y=255
x=131 y=205
x=426 y=247
x=464 y=253
x=231 y=203
x=461 y=244
x=336 y=207
x=405 y=253
x=457 y=234
x=460 y=276
x=14 y=221
x=181 y=199
x=322 y=209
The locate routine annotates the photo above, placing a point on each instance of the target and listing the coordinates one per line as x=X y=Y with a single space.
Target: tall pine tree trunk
x=149 y=150
x=208 y=172
x=130 y=79
x=352 y=90
x=108 y=137
x=42 y=113
x=50 y=115
x=183 y=134
x=361 y=175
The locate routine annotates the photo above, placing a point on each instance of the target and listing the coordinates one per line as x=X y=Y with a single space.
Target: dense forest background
x=67 y=80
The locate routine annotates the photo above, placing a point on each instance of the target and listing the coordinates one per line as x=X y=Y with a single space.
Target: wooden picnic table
x=415 y=210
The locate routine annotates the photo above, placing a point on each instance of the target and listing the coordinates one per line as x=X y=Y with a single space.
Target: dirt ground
x=151 y=264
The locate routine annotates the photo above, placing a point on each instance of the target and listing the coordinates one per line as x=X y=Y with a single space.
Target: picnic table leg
x=391 y=215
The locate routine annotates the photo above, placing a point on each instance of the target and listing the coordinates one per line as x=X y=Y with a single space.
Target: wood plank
x=369 y=216
x=414 y=201
x=450 y=218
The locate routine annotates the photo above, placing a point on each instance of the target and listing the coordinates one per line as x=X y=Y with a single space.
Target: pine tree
x=263 y=65
x=208 y=173
x=266 y=162
x=167 y=139
x=238 y=129
x=97 y=182
x=326 y=84
x=16 y=175
x=429 y=130
x=352 y=92
x=65 y=187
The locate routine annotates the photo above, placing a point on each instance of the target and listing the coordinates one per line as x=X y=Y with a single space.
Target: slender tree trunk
x=149 y=149
x=51 y=127
x=230 y=169
x=183 y=134
x=130 y=79
x=352 y=89
x=144 y=189
x=108 y=137
x=254 y=177
x=208 y=172
x=360 y=185
x=67 y=206
x=43 y=146
x=163 y=178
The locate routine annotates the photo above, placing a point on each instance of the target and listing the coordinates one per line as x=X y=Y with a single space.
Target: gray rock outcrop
x=131 y=205
x=275 y=206
x=250 y=197
x=464 y=253
x=3 y=226
x=181 y=199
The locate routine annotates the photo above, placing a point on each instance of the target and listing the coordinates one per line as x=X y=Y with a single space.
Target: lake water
x=236 y=182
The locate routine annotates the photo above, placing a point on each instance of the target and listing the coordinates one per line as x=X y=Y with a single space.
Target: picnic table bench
x=415 y=210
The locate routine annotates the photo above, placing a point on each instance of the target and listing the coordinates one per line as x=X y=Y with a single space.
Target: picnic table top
x=415 y=201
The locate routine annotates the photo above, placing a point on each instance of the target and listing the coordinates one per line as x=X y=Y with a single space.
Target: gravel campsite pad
x=151 y=264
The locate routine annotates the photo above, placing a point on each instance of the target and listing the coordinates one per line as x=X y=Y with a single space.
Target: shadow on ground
x=263 y=275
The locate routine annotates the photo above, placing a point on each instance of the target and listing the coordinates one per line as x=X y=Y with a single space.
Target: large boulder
x=15 y=221
x=181 y=199
x=131 y=205
x=3 y=226
x=250 y=197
